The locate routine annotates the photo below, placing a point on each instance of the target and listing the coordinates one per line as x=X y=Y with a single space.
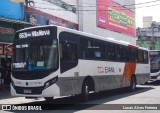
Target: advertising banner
x=11 y=10
x=53 y=12
x=115 y=17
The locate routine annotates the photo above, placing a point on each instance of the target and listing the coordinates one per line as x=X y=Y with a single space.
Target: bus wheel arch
x=87 y=86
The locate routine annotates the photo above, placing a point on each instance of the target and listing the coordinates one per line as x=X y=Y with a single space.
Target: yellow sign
x=18 y=1
x=121 y=17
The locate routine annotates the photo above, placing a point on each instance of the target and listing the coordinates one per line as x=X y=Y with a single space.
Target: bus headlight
x=50 y=82
x=13 y=85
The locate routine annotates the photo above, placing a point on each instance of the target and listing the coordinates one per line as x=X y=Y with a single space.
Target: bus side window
x=140 y=56
x=99 y=50
x=127 y=54
x=110 y=51
x=145 y=54
x=134 y=55
x=86 y=48
x=119 y=53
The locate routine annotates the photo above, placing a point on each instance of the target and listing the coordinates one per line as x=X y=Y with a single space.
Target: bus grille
x=34 y=90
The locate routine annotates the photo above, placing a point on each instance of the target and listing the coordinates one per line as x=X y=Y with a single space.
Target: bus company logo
x=106 y=69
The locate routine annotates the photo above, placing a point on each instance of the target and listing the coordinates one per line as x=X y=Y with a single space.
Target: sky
x=153 y=11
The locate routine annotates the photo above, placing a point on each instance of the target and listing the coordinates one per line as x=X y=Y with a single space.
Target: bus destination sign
x=35 y=33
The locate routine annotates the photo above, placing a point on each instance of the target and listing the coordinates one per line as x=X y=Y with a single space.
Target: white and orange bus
x=51 y=61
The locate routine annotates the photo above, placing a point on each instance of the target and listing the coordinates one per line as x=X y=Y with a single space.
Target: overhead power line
x=106 y=6
x=142 y=3
x=96 y=10
x=86 y=5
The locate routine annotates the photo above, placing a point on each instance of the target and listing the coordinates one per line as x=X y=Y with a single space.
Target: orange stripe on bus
x=133 y=46
x=129 y=70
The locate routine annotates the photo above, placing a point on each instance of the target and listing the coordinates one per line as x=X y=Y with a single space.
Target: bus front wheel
x=85 y=91
x=48 y=99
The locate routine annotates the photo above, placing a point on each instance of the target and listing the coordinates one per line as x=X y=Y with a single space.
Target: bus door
x=68 y=64
x=68 y=51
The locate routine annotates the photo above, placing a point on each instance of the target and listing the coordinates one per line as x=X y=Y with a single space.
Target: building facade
x=149 y=37
x=147 y=21
x=52 y=12
x=11 y=20
x=108 y=18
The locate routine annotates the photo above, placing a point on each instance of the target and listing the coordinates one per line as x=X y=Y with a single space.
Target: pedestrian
x=3 y=75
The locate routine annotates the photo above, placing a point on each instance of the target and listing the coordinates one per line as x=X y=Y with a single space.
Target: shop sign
x=4 y=30
x=117 y=18
x=1 y=49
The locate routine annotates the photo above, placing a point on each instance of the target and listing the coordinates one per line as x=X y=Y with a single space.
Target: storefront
x=8 y=29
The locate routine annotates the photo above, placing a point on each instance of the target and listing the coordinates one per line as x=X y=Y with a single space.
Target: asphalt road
x=146 y=99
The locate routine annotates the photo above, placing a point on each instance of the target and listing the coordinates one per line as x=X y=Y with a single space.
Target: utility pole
x=152 y=39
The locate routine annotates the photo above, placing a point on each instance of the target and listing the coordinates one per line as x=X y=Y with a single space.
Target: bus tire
x=133 y=84
x=85 y=91
x=48 y=99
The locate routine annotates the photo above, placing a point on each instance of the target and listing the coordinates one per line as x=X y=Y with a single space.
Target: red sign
x=8 y=50
x=113 y=16
x=1 y=49
x=4 y=30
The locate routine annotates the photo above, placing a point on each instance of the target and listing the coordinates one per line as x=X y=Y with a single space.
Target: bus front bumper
x=51 y=91
x=155 y=76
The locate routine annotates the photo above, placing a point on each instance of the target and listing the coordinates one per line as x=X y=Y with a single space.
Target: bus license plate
x=27 y=91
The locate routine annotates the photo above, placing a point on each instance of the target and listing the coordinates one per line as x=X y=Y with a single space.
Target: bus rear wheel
x=133 y=84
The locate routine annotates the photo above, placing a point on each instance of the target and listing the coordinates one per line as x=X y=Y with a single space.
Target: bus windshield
x=36 y=55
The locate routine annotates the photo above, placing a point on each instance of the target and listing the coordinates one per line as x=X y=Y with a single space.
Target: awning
x=16 y=21
x=9 y=27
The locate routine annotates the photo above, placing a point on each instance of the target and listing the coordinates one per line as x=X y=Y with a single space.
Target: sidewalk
x=6 y=98
x=5 y=93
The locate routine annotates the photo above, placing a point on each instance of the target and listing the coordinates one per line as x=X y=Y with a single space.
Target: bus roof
x=109 y=39
x=154 y=50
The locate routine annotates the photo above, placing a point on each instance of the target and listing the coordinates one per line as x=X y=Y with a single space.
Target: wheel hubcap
x=86 y=91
